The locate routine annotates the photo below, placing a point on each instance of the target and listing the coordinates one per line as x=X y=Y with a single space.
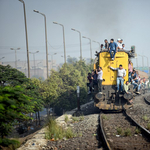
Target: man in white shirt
x=121 y=73
x=99 y=73
x=123 y=46
x=119 y=42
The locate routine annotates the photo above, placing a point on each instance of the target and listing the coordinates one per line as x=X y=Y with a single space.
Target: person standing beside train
x=113 y=48
x=99 y=73
x=121 y=73
x=135 y=76
x=130 y=69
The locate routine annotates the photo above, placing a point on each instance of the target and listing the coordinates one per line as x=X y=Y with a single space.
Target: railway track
x=140 y=112
x=147 y=100
x=122 y=132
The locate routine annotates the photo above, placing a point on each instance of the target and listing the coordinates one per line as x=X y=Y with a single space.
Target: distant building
x=39 y=70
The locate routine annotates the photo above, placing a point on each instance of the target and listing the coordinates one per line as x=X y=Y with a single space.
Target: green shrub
x=127 y=132
x=145 y=118
x=148 y=126
x=119 y=131
x=69 y=133
x=81 y=118
x=12 y=144
x=80 y=134
x=137 y=131
x=105 y=117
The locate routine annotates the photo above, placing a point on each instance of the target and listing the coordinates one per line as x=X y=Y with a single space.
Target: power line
x=58 y=51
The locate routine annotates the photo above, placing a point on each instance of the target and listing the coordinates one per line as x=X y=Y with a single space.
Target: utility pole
x=90 y=46
x=45 y=39
x=98 y=44
x=15 y=55
x=147 y=63
x=26 y=38
x=63 y=39
x=34 y=59
x=80 y=42
x=52 y=59
x=142 y=62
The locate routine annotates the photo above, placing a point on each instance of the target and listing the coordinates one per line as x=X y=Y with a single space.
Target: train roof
x=131 y=53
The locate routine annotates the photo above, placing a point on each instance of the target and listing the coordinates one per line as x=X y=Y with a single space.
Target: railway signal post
x=78 y=98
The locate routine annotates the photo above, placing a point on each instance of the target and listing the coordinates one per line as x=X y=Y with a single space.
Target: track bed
x=121 y=134
x=141 y=112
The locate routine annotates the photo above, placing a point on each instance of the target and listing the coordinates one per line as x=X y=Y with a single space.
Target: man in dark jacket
x=113 y=48
x=106 y=44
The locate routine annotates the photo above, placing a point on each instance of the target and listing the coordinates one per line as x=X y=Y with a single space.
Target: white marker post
x=78 y=97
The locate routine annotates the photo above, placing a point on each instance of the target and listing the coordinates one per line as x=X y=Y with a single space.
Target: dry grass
x=66 y=118
x=56 y=132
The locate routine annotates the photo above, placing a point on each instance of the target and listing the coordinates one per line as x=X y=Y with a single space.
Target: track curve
x=122 y=132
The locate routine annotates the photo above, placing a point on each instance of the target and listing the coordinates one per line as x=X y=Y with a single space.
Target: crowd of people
x=113 y=47
x=137 y=82
x=96 y=78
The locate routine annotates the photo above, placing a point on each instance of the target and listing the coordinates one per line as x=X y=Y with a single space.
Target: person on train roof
x=113 y=48
x=102 y=47
x=119 y=42
x=121 y=73
x=106 y=44
x=123 y=46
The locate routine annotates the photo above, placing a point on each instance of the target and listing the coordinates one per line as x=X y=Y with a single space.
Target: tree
x=71 y=60
x=11 y=76
x=72 y=75
x=38 y=103
x=51 y=89
x=13 y=106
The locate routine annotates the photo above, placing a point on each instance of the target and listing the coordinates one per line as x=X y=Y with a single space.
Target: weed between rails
x=127 y=132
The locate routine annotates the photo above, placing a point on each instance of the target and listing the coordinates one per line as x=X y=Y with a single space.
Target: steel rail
x=147 y=132
x=146 y=101
x=130 y=119
x=106 y=143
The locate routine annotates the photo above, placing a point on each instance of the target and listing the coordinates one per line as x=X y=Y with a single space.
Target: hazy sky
x=96 y=19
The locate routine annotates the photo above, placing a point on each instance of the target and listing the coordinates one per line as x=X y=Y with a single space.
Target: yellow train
x=110 y=100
